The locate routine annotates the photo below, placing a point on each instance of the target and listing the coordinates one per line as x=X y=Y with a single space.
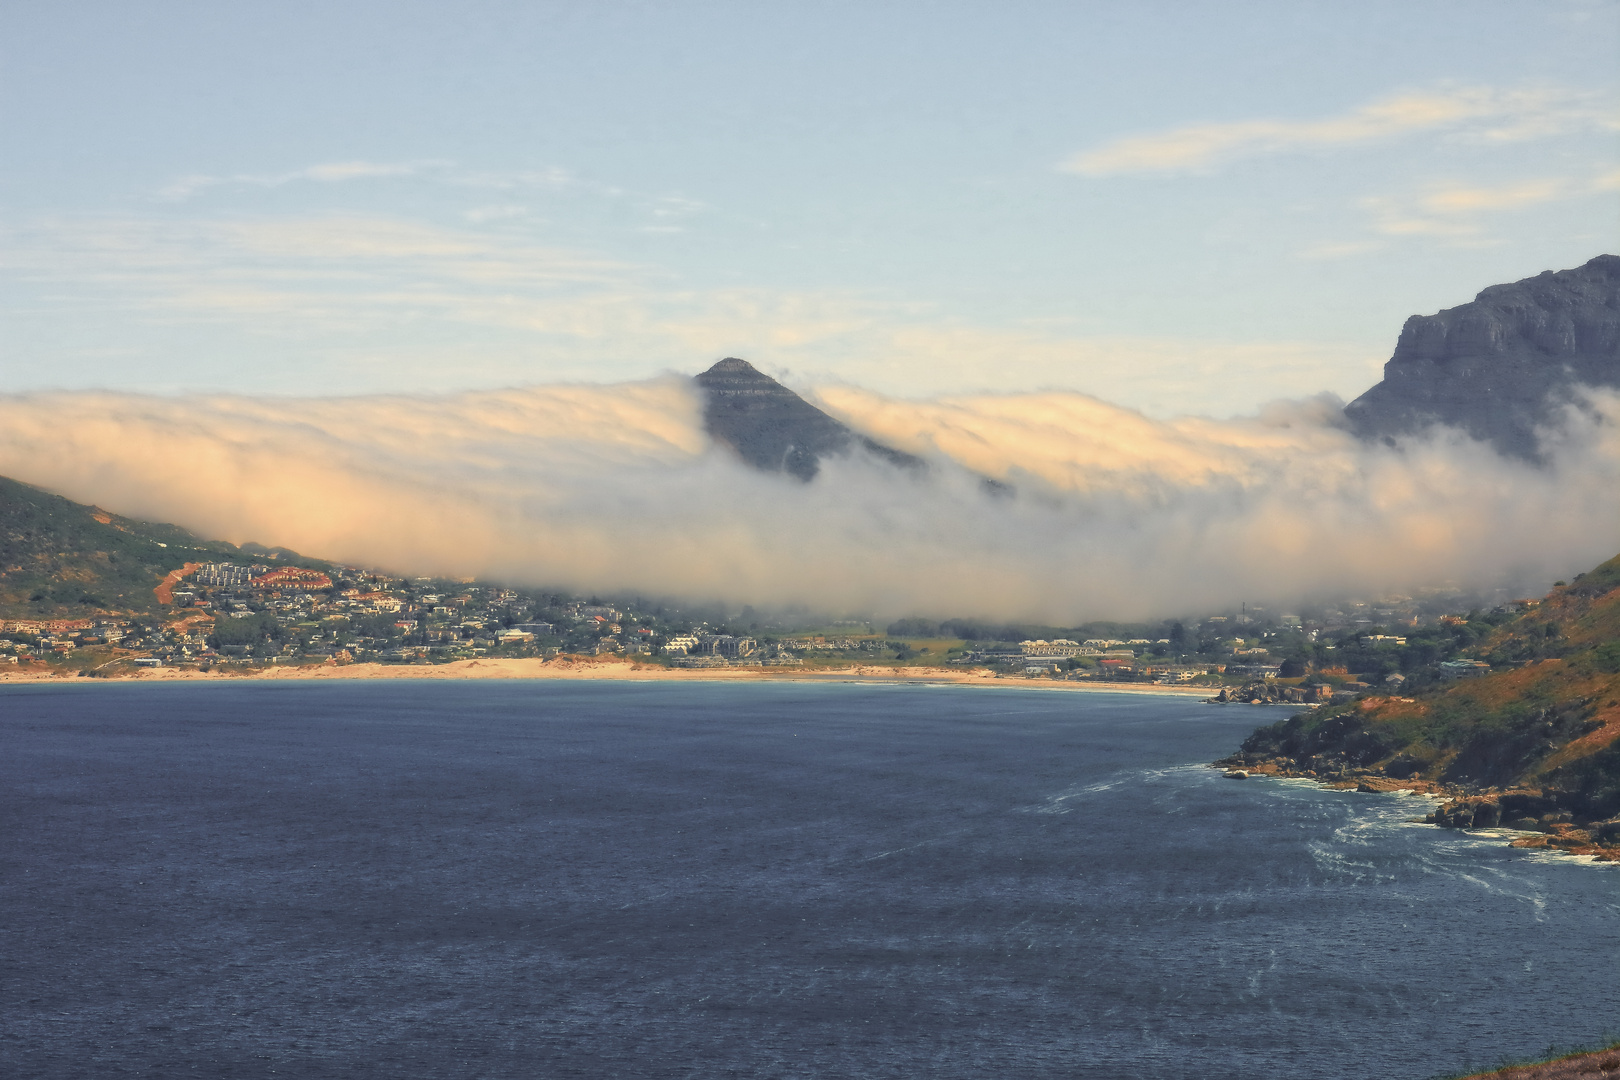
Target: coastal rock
x=1468 y=814
x=1258 y=692
x=1502 y=365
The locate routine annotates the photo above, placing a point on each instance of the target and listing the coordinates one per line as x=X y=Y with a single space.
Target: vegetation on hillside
x=1544 y=725
x=62 y=559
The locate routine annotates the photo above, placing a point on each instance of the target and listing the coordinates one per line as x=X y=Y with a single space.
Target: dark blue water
x=554 y=880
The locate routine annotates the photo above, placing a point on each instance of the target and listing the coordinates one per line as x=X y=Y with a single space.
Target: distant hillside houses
x=45 y=626
x=1096 y=648
x=293 y=577
x=227 y=575
x=680 y=645
x=1041 y=647
x=1464 y=669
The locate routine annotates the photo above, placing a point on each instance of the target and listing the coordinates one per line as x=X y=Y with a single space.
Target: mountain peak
x=1503 y=364
x=734 y=365
x=772 y=428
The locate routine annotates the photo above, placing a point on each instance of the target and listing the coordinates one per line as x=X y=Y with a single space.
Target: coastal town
x=240 y=617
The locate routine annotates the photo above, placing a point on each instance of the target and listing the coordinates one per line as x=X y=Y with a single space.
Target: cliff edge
x=1502 y=365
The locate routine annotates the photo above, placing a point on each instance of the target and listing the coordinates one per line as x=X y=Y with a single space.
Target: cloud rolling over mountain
x=619 y=487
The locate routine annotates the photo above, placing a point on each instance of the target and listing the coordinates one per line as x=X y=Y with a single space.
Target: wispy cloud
x=1479 y=113
x=666 y=212
x=357 y=292
x=332 y=172
x=1459 y=213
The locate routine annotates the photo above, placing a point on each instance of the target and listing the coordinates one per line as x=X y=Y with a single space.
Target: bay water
x=568 y=879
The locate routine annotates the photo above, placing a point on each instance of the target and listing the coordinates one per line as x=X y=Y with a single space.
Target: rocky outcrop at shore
x=1536 y=812
x=1542 y=813
x=1265 y=692
x=1533 y=746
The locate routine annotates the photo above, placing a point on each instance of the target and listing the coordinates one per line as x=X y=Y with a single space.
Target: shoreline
x=600 y=670
x=1560 y=839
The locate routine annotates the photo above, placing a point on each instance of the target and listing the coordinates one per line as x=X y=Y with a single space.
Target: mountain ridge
x=1503 y=364
x=59 y=557
x=775 y=430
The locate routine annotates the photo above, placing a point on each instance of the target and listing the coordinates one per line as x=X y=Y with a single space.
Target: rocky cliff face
x=1502 y=365
x=773 y=429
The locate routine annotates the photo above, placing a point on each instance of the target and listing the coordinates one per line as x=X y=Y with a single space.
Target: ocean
x=554 y=879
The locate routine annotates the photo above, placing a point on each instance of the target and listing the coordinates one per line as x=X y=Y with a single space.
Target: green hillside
x=61 y=559
x=1536 y=740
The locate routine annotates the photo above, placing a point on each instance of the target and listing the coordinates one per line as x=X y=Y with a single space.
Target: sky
x=414 y=286
x=1177 y=208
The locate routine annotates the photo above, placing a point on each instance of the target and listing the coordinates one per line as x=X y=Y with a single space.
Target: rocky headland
x=1534 y=746
x=1504 y=364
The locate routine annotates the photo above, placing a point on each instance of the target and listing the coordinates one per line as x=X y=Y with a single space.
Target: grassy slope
x=61 y=559
x=1597 y=1062
x=1551 y=724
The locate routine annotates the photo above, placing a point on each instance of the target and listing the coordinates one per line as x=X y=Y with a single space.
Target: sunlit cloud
x=1459 y=213
x=1465 y=200
x=614 y=487
x=1477 y=113
x=1461 y=210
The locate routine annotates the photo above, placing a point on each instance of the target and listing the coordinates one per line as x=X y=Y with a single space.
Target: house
x=1463 y=669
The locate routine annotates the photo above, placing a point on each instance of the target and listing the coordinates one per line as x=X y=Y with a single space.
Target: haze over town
x=417 y=291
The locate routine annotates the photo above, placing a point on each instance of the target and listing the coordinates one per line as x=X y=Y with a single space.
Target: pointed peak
x=733 y=365
x=736 y=376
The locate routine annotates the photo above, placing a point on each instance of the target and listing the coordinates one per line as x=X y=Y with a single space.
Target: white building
x=1041 y=647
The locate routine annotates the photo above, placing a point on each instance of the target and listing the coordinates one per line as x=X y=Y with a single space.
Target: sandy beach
x=614 y=670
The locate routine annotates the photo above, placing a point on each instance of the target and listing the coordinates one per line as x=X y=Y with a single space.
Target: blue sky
x=1179 y=208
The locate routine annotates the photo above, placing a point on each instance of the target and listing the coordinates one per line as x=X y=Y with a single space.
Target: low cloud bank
x=618 y=488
